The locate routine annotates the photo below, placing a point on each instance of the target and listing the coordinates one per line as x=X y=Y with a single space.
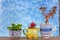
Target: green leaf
x=10 y=28
x=13 y=25
x=19 y=26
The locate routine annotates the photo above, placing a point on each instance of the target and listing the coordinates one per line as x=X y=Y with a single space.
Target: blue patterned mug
x=47 y=30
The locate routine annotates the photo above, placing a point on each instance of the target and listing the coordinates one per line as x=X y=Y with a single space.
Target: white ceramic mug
x=47 y=30
x=15 y=34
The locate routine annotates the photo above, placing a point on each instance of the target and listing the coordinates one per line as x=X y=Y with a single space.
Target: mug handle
x=24 y=31
x=53 y=29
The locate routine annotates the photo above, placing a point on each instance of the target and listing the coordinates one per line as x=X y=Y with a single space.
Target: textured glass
x=26 y=11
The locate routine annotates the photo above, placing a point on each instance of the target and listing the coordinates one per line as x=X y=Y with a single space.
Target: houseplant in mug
x=14 y=30
x=47 y=29
x=31 y=32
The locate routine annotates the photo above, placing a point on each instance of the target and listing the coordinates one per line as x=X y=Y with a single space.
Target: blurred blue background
x=26 y=11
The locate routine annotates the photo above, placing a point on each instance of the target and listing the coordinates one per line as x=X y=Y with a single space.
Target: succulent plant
x=15 y=26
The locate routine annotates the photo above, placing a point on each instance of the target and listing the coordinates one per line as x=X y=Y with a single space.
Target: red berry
x=32 y=25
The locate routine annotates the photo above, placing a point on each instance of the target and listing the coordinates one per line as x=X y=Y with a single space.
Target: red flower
x=32 y=25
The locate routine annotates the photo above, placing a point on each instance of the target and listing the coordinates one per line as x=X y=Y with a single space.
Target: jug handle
x=53 y=30
x=25 y=32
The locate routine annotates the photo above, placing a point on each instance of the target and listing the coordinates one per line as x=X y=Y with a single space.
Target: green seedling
x=15 y=26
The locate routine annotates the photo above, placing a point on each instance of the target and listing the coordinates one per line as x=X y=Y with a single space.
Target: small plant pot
x=15 y=34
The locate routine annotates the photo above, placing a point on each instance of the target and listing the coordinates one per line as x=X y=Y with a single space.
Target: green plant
x=15 y=26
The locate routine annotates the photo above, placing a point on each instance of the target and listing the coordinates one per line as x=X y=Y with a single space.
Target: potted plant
x=14 y=30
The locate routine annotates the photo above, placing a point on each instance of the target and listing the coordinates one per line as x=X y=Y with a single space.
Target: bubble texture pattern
x=26 y=11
